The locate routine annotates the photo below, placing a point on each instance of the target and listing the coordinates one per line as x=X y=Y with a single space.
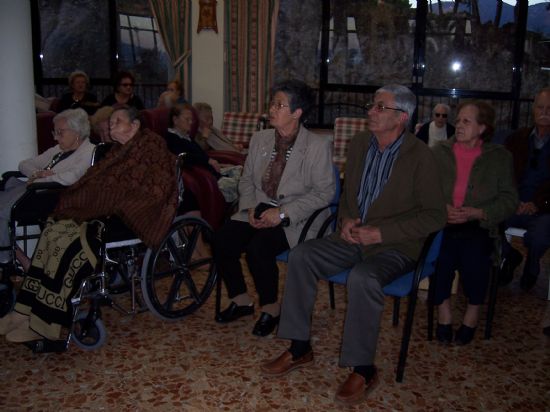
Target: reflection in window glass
x=470 y=37
x=141 y=49
x=64 y=48
x=371 y=42
x=536 y=59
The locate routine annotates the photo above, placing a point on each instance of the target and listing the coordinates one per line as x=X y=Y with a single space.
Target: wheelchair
x=31 y=209
x=174 y=280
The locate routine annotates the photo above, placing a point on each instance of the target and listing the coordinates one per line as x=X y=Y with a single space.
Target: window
x=371 y=42
x=141 y=49
x=463 y=38
x=74 y=35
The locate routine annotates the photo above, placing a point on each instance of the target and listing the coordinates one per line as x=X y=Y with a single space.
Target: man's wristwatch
x=281 y=214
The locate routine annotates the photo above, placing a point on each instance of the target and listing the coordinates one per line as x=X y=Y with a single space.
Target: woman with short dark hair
x=288 y=174
x=123 y=94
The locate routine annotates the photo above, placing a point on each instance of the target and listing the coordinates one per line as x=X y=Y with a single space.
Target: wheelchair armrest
x=12 y=173
x=45 y=186
x=7 y=175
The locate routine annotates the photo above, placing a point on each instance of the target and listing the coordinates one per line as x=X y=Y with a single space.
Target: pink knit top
x=465 y=158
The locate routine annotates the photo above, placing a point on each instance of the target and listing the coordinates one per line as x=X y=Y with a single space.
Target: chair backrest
x=344 y=129
x=204 y=186
x=155 y=119
x=100 y=151
x=44 y=129
x=239 y=126
x=425 y=267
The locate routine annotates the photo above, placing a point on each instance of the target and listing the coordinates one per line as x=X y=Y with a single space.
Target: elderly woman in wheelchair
x=64 y=163
x=136 y=182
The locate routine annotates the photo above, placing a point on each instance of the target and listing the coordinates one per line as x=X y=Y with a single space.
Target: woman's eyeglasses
x=278 y=105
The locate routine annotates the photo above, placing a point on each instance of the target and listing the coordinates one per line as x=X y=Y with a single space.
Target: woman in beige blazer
x=288 y=174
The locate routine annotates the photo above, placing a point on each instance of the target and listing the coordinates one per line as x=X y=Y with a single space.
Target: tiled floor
x=197 y=365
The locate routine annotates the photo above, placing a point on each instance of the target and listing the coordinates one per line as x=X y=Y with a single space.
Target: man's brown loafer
x=284 y=364
x=356 y=388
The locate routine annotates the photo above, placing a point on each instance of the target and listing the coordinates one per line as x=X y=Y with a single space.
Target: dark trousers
x=319 y=259
x=466 y=248
x=536 y=239
x=261 y=246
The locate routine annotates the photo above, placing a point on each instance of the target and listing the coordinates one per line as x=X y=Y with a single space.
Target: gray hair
x=445 y=106
x=77 y=121
x=403 y=96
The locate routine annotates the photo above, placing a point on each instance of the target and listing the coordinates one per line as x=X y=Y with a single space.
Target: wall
x=207 y=64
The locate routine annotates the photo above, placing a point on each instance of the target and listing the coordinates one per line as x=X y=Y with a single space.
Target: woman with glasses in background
x=287 y=175
x=64 y=163
x=439 y=128
x=123 y=92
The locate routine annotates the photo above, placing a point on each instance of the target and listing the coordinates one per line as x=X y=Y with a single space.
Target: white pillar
x=17 y=113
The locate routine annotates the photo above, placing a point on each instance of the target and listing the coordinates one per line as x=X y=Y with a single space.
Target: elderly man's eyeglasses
x=444 y=115
x=277 y=105
x=379 y=107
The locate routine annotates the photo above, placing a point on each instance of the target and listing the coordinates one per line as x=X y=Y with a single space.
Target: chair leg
x=218 y=295
x=331 y=294
x=407 y=330
x=431 y=306
x=493 y=287
x=396 y=307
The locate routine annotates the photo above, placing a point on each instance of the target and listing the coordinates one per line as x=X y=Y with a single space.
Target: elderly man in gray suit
x=392 y=200
x=288 y=174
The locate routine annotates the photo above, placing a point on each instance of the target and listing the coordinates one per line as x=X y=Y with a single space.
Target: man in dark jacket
x=391 y=201
x=531 y=150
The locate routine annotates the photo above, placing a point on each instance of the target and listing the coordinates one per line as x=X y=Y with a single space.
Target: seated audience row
x=397 y=191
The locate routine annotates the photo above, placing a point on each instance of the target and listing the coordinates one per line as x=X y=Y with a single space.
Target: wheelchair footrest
x=47 y=346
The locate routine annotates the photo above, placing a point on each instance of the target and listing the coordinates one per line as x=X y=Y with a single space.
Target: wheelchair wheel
x=177 y=278
x=7 y=299
x=88 y=333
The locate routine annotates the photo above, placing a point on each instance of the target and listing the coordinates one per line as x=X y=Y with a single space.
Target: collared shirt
x=537 y=140
x=376 y=172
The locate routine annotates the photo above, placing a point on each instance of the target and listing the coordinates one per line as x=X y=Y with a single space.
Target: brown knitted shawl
x=136 y=182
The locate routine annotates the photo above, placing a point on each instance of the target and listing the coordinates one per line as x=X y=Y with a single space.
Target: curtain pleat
x=250 y=32
x=173 y=18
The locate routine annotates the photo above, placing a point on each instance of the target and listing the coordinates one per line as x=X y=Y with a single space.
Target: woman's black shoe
x=444 y=333
x=234 y=312
x=265 y=325
x=464 y=335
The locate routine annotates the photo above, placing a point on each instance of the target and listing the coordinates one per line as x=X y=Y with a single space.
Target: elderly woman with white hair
x=64 y=163
x=79 y=96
